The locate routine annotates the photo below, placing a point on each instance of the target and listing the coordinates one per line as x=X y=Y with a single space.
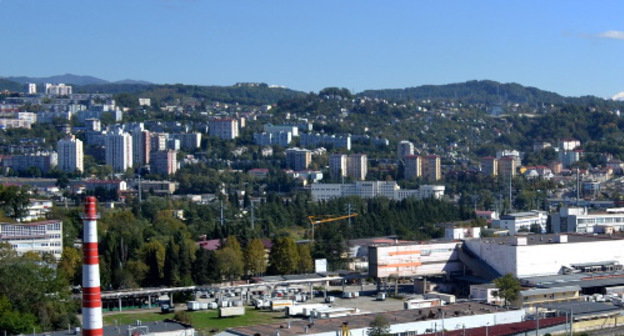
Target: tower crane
x=320 y=219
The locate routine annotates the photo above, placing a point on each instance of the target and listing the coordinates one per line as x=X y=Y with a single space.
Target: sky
x=570 y=47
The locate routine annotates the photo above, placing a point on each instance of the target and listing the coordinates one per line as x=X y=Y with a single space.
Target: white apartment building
x=357 y=166
x=404 y=148
x=32 y=88
x=270 y=128
x=119 y=150
x=572 y=219
x=224 y=128
x=371 y=189
x=522 y=221
x=70 y=154
x=40 y=237
x=338 y=165
x=58 y=89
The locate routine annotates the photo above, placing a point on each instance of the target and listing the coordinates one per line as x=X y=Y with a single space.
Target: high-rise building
x=489 y=166
x=404 y=149
x=119 y=150
x=298 y=158
x=70 y=154
x=141 y=147
x=158 y=141
x=224 y=128
x=58 y=89
x=413 y=166
x=507 y=167
x=164 y=162
x=338 y=165
x=431 y=168
x=32 y=88
x=357 y=166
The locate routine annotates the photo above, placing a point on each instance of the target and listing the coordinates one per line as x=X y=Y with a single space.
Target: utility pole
x=221 y=218
x=510 y=201
x=349 y=213
x=253 y=218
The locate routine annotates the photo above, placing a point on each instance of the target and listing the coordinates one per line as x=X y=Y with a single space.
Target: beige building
x=507 y=166
x=357 y=166
x=431 y=168
x=413 y=166
x=298 y=158
x=489 y=166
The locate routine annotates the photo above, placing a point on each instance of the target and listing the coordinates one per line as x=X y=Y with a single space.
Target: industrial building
x=546 y=254
x=409 y=260
x=158 y=328
x=404 y=322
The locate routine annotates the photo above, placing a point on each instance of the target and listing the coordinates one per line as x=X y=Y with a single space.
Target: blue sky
x=570 y=47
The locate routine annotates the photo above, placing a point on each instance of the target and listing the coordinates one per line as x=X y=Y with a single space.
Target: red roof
x=505 y=329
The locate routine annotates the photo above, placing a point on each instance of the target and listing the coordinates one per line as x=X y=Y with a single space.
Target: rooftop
x=363 y=321
x=541 y=239
x=168 y=326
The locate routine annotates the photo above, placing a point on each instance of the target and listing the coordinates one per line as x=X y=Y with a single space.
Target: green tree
x=283 y=258
x=233 y=243
x=15 y=322
x=508 y=287
x=379 y=326
x=204 y=267
x=172 y=262
x=229 y=264
x=70 y=264
x=306 y=264
x=255 y=259
x=153 y=255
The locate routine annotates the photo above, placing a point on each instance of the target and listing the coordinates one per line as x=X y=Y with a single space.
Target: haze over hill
x=474 y=91
x=71 y=79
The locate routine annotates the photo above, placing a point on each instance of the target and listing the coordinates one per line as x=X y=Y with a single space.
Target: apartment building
x=70 y=154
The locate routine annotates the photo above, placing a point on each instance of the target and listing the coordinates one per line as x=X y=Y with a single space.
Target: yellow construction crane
x=316 y=220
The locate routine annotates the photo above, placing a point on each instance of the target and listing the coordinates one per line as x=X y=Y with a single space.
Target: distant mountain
x=72 y=79
x=131 y=82
x=479 y=91
x=6 y=84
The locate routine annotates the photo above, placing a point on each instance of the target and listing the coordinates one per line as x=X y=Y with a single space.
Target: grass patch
x=206 y=320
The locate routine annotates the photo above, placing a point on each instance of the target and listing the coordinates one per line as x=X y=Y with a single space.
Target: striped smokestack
x=91 y=299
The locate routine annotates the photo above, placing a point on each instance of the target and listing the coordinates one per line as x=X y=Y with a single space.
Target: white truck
x=231 y=311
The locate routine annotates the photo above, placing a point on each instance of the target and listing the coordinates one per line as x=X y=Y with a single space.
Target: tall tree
x=172 y=262
x=204 y=267
x=229 y=265
x=508 y=287
x=306 y=264
x=283 y=258
x=233 y=243
x=153 y=255
x=255 y=259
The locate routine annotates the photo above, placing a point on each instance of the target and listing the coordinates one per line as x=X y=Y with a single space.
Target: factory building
x=405 y=322
x=409 y=260
x=548 y=254
x=40 y=237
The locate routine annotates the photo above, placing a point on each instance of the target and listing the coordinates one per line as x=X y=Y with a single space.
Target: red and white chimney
x=91 y=297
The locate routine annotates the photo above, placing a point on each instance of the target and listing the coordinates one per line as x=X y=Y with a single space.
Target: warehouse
x=413 y=322
x=409 y=260
x=549 y=254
